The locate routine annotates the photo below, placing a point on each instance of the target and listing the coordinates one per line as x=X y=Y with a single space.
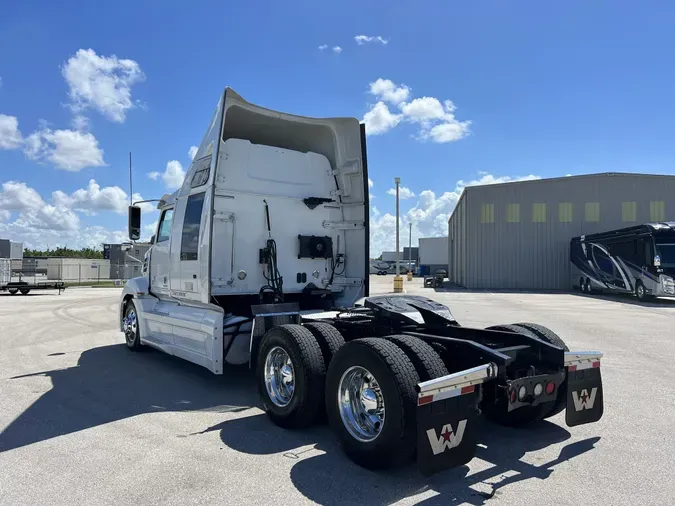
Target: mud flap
x=584 y=395
x=446 y=434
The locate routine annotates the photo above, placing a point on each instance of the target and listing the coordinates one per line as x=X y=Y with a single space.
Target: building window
x=565 y=212
x=539 y=212
x=189 y=245
x=487 y=213
x=629 y=211
x=657 y=210
x=513 y=213
x=592 y=211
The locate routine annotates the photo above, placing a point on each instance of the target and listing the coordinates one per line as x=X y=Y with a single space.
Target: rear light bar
x=452 y=385
x=580 y=360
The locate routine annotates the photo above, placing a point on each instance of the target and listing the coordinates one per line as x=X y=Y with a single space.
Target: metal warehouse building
x=516 y=235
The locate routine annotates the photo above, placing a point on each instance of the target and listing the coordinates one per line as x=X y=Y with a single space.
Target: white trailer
x=261 y=257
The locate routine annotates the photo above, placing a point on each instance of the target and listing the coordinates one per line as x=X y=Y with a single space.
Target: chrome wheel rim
x=130 y=326
x=641 y=291
x=361 y=404
x=279 y=377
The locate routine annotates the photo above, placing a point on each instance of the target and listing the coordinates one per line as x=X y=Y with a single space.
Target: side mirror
x=152 y=239
x=134 y=223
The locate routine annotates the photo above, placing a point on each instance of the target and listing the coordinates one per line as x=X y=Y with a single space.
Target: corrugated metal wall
x=516 y=235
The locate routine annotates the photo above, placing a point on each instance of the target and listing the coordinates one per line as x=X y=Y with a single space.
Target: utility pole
x=410 y=253
x=398 y=280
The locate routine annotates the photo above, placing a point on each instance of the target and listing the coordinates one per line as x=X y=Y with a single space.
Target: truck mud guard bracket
x=585 y=402
x=446 y=413
x=267 y=316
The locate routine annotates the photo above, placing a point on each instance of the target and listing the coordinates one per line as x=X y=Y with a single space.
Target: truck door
x=159 y=260
x=185 y=274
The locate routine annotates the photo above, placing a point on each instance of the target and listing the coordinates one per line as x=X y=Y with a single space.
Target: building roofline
x=574 y=177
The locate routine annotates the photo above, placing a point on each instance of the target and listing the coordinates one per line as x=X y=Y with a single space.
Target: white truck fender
x=134 y=288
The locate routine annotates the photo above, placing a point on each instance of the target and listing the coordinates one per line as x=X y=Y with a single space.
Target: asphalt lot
x=84 y=421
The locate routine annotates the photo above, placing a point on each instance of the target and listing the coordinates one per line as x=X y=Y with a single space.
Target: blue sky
x=537 y=89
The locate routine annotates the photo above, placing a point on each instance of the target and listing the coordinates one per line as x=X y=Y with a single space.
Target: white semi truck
x=261 y=257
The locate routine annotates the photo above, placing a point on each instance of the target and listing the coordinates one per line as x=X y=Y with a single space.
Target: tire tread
x=427 y=362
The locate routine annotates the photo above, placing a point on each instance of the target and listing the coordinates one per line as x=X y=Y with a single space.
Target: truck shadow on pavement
x=111 y=383
x=331 y=478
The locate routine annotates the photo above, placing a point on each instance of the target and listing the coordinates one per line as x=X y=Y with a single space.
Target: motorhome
x=262 y=257
x=636 y=260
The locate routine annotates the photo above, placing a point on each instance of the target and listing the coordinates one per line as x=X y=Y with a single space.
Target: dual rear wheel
x=365 y=388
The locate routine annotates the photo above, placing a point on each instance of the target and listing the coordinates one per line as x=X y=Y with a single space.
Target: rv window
x=667 y=253
x=603 y=261
x=648 y=252
x=165 y=226
x=193 y=216
x=626 y=251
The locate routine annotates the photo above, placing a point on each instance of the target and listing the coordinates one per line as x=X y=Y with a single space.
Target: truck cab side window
x=189 y=245
x=164 y=231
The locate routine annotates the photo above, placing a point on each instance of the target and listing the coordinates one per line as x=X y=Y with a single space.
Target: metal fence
x=79 y=271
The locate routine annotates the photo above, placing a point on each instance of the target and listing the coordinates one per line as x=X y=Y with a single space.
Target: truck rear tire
x=371 y=402
x=13 y=291
x=291 y=376
x=497 y=411
x=426 y=361
x=546 y=334
x=329 y=338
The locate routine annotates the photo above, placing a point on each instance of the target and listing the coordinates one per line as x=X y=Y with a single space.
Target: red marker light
x=513 y=396
x=550 y=387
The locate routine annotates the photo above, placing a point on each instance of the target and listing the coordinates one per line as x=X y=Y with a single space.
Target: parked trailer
x=23 y=287
x=261 y=257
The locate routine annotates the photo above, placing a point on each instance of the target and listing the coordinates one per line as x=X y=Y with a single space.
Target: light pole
x=398 y=280
x=410 y=253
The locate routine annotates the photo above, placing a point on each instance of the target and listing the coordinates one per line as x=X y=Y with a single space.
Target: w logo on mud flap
x=448 y=438
x=584 y=400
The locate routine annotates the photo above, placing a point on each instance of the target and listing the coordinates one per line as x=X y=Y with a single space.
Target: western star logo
x=448 y=438
x=584 y=400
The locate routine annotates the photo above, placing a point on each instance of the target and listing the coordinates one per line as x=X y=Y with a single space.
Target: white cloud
x=102 y=83
x=423 y=109
x=192 y=152
x=435 y=119
x=154 y=175
x=67 y=149
x=323 y=47
x=337 y=49
x=41 y=224
x=447 y=132
x=429 y=216
x=94 y=198
x=362 y=39
x=403 y=192
x=173 y=175
x=18 y=196
x=10 y=136
x=370 y=183
x=80 y=122
x=379 y=119
x=386 y=90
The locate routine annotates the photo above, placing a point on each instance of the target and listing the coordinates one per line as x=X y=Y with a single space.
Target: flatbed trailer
x=261 y=257
x=24 y=288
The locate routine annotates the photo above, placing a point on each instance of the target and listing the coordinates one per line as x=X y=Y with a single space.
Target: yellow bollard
x=398 y=284
x=409 y=275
